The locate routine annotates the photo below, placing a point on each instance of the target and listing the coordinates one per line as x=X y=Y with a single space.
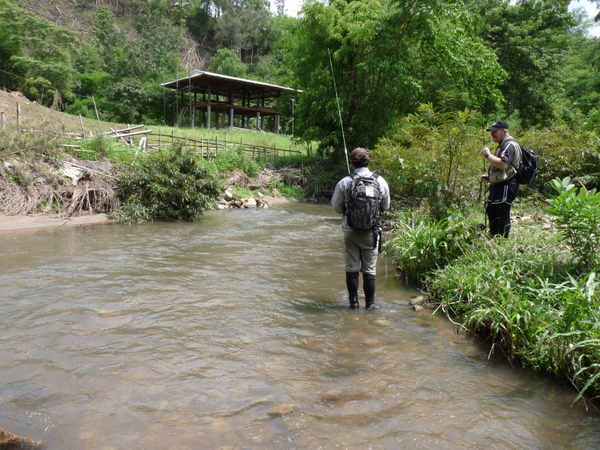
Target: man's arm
x=385 y=194
x=337 y=200
x=493 y=159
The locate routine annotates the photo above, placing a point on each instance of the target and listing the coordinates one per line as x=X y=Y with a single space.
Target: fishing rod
x=481 y=182
x=339 y=110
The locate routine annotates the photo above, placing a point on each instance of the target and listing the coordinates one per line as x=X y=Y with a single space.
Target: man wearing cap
x=501 y=176
x=361 y=249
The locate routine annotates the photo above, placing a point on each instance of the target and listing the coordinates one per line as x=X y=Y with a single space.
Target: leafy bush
x=433 y=158
x=563 y=153
x=173 y=186
x=577 y=214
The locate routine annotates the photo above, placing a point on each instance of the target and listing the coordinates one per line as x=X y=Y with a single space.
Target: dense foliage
x=175 y=185
x=530 y=61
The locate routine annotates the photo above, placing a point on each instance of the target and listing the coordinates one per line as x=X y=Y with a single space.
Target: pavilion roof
x=199 y=81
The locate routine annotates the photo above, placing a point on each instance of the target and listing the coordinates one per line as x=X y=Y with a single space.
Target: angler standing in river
x=361 y=197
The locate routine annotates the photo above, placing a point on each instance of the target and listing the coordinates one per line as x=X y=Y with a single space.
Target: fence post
x=82 y=129
x=19 y=117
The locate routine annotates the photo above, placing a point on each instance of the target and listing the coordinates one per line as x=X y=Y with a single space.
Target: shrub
x=172 y=186
x=434 y=157
x=563 y=153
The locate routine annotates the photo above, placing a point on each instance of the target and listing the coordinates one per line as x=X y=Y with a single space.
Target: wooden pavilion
x=228 y=96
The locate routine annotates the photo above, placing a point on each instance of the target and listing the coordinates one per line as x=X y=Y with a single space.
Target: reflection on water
x=234 y=333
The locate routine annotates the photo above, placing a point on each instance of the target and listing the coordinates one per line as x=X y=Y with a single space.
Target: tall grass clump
x=422 y=245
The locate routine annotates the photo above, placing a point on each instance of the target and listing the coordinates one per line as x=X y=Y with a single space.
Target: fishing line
x=339 y=110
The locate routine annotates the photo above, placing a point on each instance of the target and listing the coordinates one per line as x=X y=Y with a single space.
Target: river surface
x=234 y=333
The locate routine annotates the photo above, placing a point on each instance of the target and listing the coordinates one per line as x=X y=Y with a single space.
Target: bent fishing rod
x=339 y=111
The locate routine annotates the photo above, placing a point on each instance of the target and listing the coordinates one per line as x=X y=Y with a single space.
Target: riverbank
x=37 y=221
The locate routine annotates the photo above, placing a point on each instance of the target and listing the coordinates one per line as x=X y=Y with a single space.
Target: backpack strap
x=520 y=153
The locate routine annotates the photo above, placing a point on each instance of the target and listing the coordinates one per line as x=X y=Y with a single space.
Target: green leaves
x=174 y=185
x=422 y=246
x=387 y=58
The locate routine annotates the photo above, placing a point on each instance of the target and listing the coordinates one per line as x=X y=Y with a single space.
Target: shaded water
x=234 y=333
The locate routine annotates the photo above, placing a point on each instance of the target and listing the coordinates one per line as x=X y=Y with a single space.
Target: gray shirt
x=338 y=201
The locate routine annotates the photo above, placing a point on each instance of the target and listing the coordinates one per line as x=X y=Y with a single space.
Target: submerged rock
x=285 y=408
x=9 y=441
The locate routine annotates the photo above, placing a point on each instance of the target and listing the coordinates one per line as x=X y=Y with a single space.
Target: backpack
x=527 y=169
x=363 y=203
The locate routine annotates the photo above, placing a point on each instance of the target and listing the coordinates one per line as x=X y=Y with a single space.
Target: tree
x=582 y=73
x=37 y=51
x=387 y=56
x=226 y=62
x=242 y=27
x=530 y=40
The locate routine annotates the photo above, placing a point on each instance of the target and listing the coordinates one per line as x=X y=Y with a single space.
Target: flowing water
x=233 y=332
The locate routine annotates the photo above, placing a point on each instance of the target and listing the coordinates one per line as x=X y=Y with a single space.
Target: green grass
x=528 y=295
x=246 y=137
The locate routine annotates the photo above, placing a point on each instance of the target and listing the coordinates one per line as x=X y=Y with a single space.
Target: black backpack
x=363 y=203
x=527 y=169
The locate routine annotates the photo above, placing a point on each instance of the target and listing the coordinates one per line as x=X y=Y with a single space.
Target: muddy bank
x=27 y=222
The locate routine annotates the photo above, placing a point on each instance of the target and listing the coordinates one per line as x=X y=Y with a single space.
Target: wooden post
x=19 y=117
x=82 y=129
x=97 y=115
x=3 y=122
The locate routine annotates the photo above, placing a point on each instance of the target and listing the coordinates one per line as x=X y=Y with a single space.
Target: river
x=234 y=333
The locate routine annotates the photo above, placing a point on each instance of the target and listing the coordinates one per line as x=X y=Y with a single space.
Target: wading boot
x=369 y=288
x=352 y=285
